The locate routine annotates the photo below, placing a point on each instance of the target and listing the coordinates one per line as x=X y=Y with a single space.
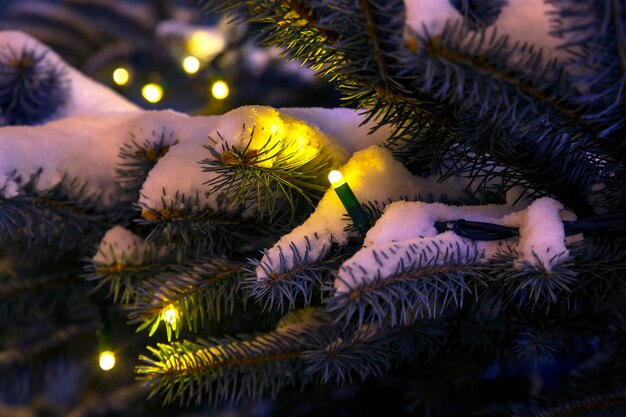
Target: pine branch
x=458 y=45
x=123 y=277
x=61 y=217
x=280 y=173
x=597 y=266
x=507 y=113
x=139 y=158
x=32 y=88
x=288 y=284
x=192 y=294
x=595 y=39
x=372 y=31
x=304 y=348
x=342 y=356
x=479 y=14
x=528 y=285
x=225 y=369
x=437 y=153
x=309 y=15
x=483 y=329
x=489 y=181
x=539 y=344
x=418 y=289
x=193 y=227
x=588 y=278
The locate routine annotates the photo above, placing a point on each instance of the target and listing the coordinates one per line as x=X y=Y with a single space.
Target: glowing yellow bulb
x=153 y=93
x=107 y=360
x=220 y=90
x=121 y=76
x=171 y=315
x=336 y=179
x=191 y=64
x=205 y=44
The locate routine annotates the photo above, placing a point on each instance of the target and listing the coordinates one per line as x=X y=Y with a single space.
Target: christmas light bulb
x=336 y=178
x=205 y=44
x=220 y=90
x=171 y=315
x=107 y=360
x=191 y=64
x=153 y=93
x=121 y=76
x=349 y=200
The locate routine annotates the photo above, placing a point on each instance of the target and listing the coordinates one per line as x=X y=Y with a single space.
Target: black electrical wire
x=489 y=231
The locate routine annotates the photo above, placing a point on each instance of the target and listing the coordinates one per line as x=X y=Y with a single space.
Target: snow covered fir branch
x=482 y=146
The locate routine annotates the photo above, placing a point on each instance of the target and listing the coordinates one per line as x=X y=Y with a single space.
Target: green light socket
x=353 y=207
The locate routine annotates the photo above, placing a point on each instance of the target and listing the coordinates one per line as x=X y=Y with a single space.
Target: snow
x=405 y=238
x=522 y=21
x=373 y=175
x=405 y=219
x=261 y=124
x=8 y=187
x=83 y=147
x=531 y=22
x=178 y=171
x=388 y=259
x=86 y=96
x=87 y=146
x=123 y=246
x=542 y=235
x=430 y=16
x=344 y=124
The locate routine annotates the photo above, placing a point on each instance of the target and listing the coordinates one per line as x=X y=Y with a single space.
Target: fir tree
x=481 y=273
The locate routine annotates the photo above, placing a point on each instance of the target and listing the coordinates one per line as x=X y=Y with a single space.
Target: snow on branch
x=123 y=260
x=407 y=269
x=84 y=147
x=405 y=235
x=374 y=175
x=514 y=19
x=83 y=96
